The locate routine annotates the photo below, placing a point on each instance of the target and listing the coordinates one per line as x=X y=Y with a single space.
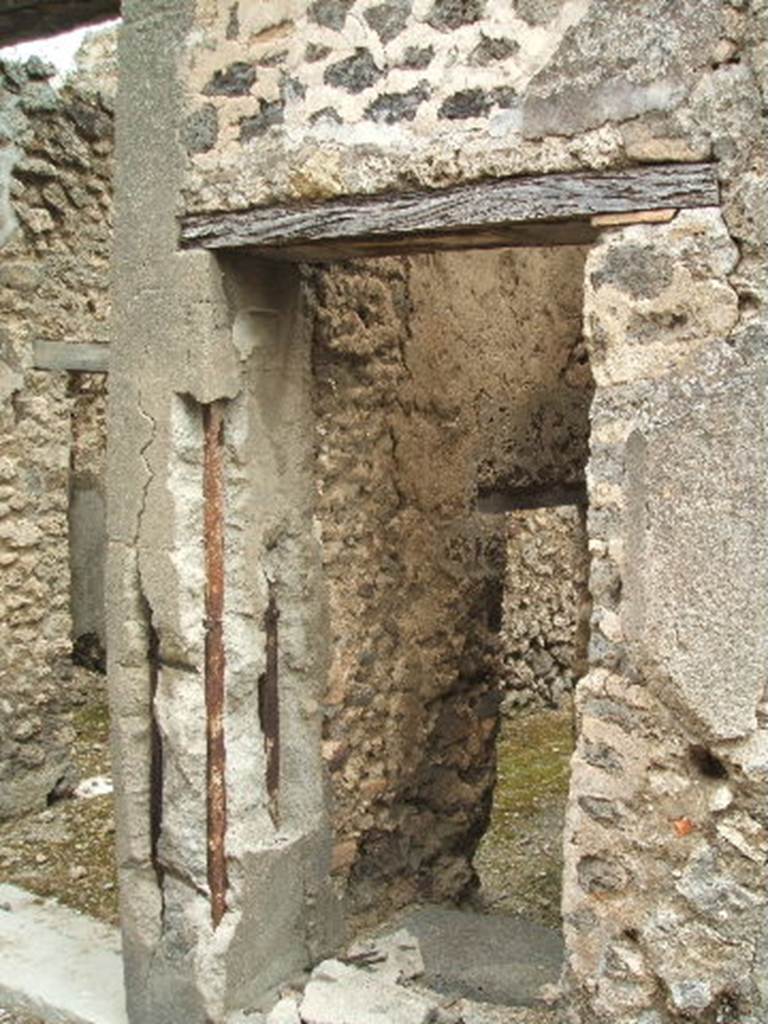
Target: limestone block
x=696 y=500
x=655 y=294
x=339 y=994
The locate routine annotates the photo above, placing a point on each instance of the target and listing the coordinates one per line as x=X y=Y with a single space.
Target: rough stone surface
x=53 y=287
x=340 y=994
x=665 y=893
x=545 y=625
x=665 y=867
x=421 y=404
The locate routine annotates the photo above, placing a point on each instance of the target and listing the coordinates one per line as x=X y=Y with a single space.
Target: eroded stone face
x=666 y=825
x=665 y=887
x=55 y=236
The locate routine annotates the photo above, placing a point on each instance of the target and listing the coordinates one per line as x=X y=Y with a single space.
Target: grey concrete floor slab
x=490 y=958
x=57 y=964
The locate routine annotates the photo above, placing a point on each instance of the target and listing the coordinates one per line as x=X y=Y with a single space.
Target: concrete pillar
x=224 y=878
x=666 y=835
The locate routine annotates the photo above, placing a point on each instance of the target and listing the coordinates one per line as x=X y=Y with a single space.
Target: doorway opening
x=452 y=395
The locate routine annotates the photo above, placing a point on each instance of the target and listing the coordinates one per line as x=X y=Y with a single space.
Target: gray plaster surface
x=491 y=958
x=57 y=964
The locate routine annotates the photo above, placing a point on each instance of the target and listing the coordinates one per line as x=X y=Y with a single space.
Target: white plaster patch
x=96 y=785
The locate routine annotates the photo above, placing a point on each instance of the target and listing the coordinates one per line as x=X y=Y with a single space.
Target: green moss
x=534 y=754
x=520 y=858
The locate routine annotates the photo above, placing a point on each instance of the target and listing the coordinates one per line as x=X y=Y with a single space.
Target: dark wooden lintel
x=23 y=20
x=553 y=209
x=516 y=499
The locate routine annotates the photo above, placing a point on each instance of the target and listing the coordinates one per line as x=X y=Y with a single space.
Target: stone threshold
x=57 y=964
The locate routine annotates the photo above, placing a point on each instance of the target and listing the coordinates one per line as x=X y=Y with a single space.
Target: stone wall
x=665 y=888
x=55 y=188
x=675 y=698
x=546 y=607
x=437 y=378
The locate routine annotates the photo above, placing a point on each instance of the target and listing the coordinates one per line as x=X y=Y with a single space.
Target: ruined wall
x=436 y=379
x=665 y=886
x=546 y=607
x=55 y=149
x=597 y=85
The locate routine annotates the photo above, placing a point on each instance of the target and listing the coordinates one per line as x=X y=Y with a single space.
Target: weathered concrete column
x=667 y=832
x=216 y=629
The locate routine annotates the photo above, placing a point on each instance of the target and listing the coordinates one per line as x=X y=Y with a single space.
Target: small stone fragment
x=201 y=130
x=234 y=80
x=271 y=113
x=465 y=104
x=450 y=14
x=355 y=73
x=388 y=19
x=330 y=13
x=490 y=50
x=390 y=107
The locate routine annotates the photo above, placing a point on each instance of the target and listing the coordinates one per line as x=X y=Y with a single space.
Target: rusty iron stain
x=213 y=527
x=155 y=757
x=269 y=703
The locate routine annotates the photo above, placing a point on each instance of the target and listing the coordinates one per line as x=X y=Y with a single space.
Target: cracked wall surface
x=437 y=378
x=55 y=230
x=290 y=100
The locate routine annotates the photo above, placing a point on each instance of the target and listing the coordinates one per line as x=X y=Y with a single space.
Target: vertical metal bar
x=213 y=501
x=269 y=704
x=155 y=757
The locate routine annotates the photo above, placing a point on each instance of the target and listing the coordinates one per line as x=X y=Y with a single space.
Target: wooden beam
x=555 y=496
x=23 y=20
x=552 y=209
x=620 y=220
x=85 y=357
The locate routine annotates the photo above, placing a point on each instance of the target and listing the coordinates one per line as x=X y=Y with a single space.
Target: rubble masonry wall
x=436 y=378
x=55 y=210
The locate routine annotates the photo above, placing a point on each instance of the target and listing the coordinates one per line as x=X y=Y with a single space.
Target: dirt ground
x=520 y=859
x=66 y=851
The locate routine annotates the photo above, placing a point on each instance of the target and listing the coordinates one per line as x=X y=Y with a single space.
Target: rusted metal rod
x=155 y=758
x=269 y=704
x=215 y=661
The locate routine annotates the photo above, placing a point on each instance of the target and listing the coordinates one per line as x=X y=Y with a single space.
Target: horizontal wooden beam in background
x=23 y=20
x=512 y=500
x=83 y=357
x=549 y=209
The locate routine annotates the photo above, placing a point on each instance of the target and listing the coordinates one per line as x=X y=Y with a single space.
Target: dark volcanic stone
x=354 y=73
x=314 y=52
x=235 y=80
x=467 y=103
x=489 y=50
x=327 y=115
x=38 y=68
x=391 y=107
x=233 y=24
x=640 y=272
x=273 y=59
x=505 y=96
x=388 y=19
x=201 y=130
x=330 y=13
x=450 y=14
x=292 y=89
x=271 y=113
x=538 y=12
x=417 y=58
x=92 y=123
